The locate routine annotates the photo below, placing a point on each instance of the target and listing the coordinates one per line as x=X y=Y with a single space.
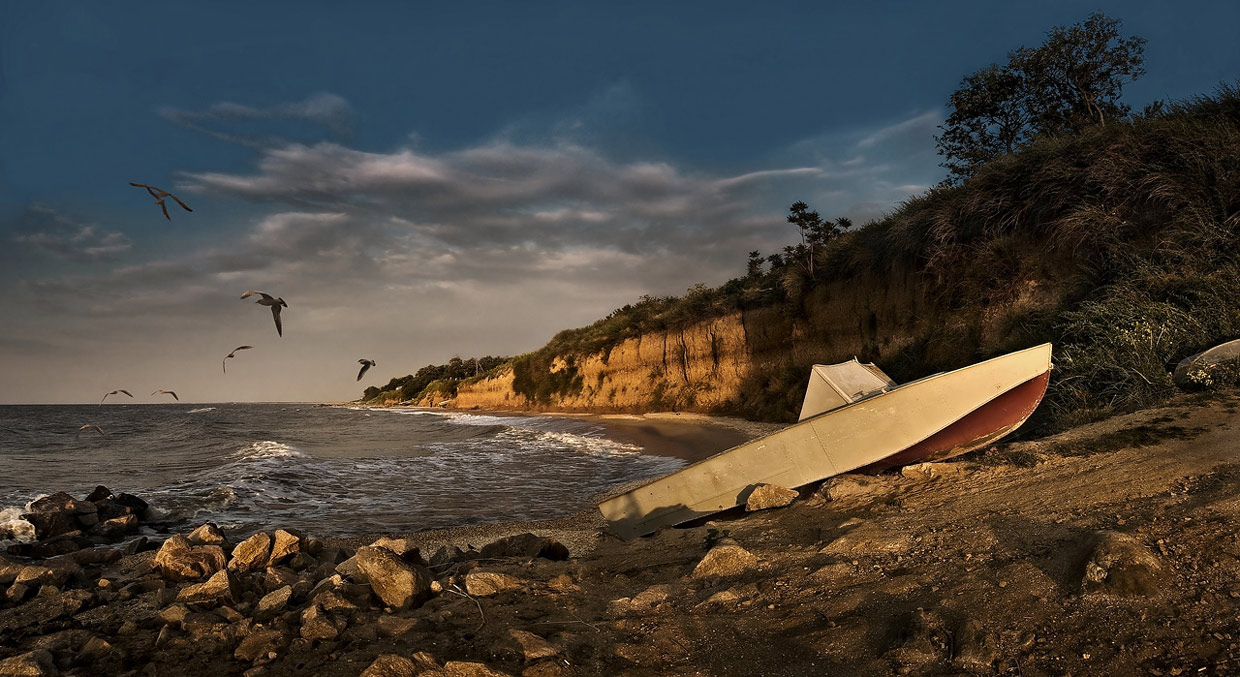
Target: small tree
x=1070 y=82
x=814 y=231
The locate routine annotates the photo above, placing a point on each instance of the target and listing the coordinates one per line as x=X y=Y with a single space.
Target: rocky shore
x=1109 y=549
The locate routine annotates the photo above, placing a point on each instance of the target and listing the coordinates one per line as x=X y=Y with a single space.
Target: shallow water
x=331 y=471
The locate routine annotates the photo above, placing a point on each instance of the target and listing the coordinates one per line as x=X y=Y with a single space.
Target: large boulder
x=398 y=583
x=287 y=542
x=51 y=522
x=252 y=553
x=403 y=547
x=179 y=560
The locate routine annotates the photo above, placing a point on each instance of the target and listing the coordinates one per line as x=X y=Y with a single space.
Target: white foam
x=200 y=410
x=268 y=449
x=11 y=522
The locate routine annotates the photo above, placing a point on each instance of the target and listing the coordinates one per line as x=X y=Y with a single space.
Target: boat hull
x=858 y=435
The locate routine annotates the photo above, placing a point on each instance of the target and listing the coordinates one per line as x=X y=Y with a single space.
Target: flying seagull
x=159 y=194
x=275 y=304
x=89 y=425
x=167 y=392
x=234 y=352
x=119 y=390
x=366 y=364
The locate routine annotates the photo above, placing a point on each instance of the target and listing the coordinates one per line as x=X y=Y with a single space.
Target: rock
x=470 y=669
x=446 y=555
x=525 y=545
x=928 y=471
x=107 y=509
x=394 y=626
x=286 y=544
x=179 y=560
x=252 y=553
x=921 y=638
x=352 y=570
x=399 y=584
x=302 y=561
x=318 y=625
x=1119 y=564
x=487 y=583
x=974 y=649
x=273 y=603
x=849 y=489
x=725 y=560
x=96 y=556
x=869 y=538
x=650 y=597
x=101 y=492
x=229 y=614
x=173 y=615
x=221 y=588
x=18 y=593
x=767 y=496
x=48 y=573
x=259 y=643
x=116 y=527
x=38 y=663
x=533 y=646
x=278 y=577
x=139 y=544
x=207 y=534
x=403 y=547
x=95 y=649
x=135 y=504
x=51 y=522
x=391 y=665
x=331 y=600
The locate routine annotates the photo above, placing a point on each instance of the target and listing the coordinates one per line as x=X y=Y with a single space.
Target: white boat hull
x=854 y=436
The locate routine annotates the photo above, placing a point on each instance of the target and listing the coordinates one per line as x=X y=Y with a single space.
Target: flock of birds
x=265 y=299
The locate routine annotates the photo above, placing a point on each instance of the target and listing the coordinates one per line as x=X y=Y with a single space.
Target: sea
x=327 y=470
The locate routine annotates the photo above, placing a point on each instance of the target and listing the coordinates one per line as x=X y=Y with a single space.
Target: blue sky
x=423 y=180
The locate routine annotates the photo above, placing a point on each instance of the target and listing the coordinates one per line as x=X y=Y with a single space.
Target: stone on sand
x=487 y=583
x=1119 y=564
x=725 y=560
x=252 y=553
x=398 y=583
x=767 y=496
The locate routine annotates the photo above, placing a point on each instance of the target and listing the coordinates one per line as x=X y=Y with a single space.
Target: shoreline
x=1105 y=549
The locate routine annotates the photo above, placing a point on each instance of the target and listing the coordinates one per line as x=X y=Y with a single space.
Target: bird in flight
x=159 y=194
x=366 y=364
x=275 y=304
x=234 y=352
x=167 y=392
x=114 y=392
x=89 y=425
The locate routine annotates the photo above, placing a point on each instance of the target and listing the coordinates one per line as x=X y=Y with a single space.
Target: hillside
x=1118 y=244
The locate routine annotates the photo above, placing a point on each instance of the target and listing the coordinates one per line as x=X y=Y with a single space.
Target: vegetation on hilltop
x=435 y=381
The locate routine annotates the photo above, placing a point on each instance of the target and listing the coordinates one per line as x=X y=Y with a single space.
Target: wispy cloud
x=324 y=109
x=46 y=229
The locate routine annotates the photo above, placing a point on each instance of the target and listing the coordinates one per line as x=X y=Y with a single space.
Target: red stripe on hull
x=981 y=426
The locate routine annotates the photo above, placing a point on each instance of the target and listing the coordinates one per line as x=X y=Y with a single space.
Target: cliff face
x=717 y=365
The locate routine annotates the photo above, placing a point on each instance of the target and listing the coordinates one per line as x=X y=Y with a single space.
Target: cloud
x=323 y=109
x=919 y=125
x=46 y=229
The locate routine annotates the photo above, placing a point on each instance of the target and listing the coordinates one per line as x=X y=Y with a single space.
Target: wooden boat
x=851 y=421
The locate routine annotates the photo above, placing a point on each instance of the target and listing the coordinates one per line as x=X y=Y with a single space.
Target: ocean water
x=330 y=471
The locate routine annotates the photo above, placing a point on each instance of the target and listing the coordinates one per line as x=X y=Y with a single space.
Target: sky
x=426 y=180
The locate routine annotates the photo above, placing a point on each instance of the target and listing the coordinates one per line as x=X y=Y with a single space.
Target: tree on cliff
x=815 y=232
x=1072 y=81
